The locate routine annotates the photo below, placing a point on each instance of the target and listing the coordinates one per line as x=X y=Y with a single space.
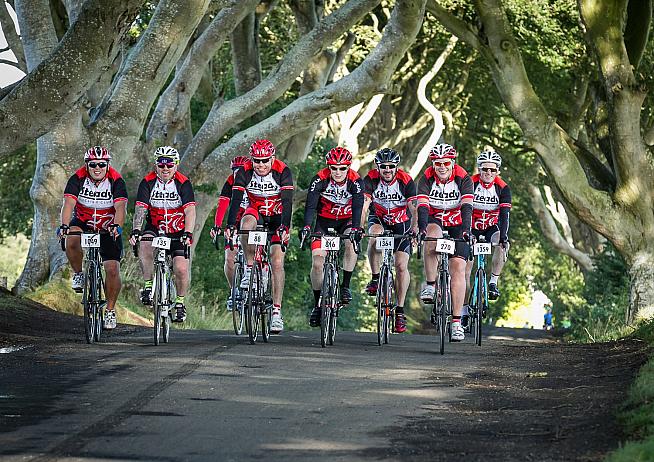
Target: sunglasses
x=165 y=164
x=337 y=169
x=386 y=167
x=489 y=170
x=97 y=164
x=261 y=161
x=442 y=164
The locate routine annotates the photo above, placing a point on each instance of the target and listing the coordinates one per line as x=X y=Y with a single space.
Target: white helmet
x=167 y=152
x=489 y=155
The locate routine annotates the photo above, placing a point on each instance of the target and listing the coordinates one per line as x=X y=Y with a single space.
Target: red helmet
x=97 y=153
x=261 y=149
x=442 y=151
x=239 y=161
x=338 y=156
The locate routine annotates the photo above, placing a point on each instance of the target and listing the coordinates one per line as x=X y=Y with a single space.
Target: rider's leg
x=349 y=258
x=498 y=257
x=112 y=282
x=74 y=250
x=317 y=262
x=278 y=275
x=229 y=265
x=458 y=284
x=180 y=268
x=146 y=259
x=402 y=276
x=374 y=255
x=430 y=255
x=248 y=223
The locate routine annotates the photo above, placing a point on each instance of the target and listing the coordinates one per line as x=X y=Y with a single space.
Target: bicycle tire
x=252 y=311
x=325 y=304
x=99 y=311
x=389 y=306
x=157 y=304
x=381 y=310
x=266 y=308
x=481 y=303
x=333 y=312
x=442 y=311
x=165 y=320
x=236 y=296
x=87 y=304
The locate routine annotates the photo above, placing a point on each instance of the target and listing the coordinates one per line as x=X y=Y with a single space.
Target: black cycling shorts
x=487 y=233
x=176 y=247
x=269 y=222
x=110 y=249
x=461 y=249
x=401 y=245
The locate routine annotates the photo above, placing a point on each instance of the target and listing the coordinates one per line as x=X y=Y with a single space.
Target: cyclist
x=490 y=213
x=391 y=201
x=445 y=204
x=95 y=198
x=165 y=201
x=336 y=196
x=268 y=183
x=223 y=206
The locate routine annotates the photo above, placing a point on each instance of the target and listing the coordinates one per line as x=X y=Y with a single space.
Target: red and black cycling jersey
x=94 y=202
x=390 y=200
x=445 y=197
x=224 y=200
x=268 y=195
x=335 y=201
x=166 y=202
x=491 y=204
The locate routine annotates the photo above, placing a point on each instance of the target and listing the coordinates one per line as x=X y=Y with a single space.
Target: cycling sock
x=431 y=283
x=456 y=319
x=347 y=275
x=277 y=308
x=399 y=309
x=148 y=284
x=494 y=278
x=316 y=296
x=179 y=299
x=375 y=277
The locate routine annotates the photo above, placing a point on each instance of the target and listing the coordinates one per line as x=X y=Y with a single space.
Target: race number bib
x=330 y=243
x=384 y=243
x=257 y=238
x=482 y=249
x=90 y=241
x=161 y=242
x=445 y=246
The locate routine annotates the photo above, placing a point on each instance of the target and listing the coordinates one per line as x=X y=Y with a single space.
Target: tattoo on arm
x=139 y=218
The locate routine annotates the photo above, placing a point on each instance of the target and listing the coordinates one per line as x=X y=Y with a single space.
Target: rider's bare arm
x=67 y=210
x=139 y=217
x=189 y=218
x=121 y=212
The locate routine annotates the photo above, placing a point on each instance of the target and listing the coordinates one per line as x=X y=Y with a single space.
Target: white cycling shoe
x=427 y=294
x=110 y=319
x=276 y=323
x=245 y=280
x=78 y=282
x=457 y=332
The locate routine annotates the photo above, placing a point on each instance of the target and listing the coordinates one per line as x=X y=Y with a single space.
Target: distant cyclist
x=95 y=199
x=336 y=197
x=547 y=317
x=165 y=201
x=268 y=184
x=490 y=213
x=223 y=207
x=392 y=193
x=445 y=196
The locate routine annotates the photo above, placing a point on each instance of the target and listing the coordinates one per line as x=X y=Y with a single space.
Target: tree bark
x=245 y=54
x=13 y=40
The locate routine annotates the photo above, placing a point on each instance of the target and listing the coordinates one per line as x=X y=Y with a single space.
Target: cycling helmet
x=97 y=153
x=442 y=151
x=387 y=156
x=489 y=155
x=238 y=162
x=338 y=156
x=167 y=152
x=262 y=149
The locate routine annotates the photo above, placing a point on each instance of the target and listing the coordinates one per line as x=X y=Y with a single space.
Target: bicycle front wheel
x=165 y=319
x=266 y=307
x=236 y=296
x=333 y=312
x=99 y=311
x=381 y=310
x=252 y=308
x=88 y=302
x=443 y=311
x=157 y=303
x=389 y=306
x=481 y=304
x=326 y=300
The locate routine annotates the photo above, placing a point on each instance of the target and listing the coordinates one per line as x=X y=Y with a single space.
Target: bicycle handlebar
x=135 y=248
x=269 y=234
x=62 y=239
x=355 y=244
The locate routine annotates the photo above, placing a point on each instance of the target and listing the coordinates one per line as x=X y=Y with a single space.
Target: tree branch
x=456 y=26
x=13 y=40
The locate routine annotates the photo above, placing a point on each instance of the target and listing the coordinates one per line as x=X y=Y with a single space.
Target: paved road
x=212 y=396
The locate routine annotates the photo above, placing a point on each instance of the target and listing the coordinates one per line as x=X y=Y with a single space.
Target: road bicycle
x=478 y=302
x=330 y=293
x=237 y=296
x=441 y=313
x=163 y=285
x=258 y=295
x=386 y=296
x=93 y=292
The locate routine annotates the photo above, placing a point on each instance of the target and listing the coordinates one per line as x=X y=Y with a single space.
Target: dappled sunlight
x=314 y=445
x=427 y=393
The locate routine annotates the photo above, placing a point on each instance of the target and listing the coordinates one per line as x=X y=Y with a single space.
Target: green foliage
x=16 y=211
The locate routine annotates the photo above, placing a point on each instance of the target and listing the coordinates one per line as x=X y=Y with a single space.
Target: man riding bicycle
x=223 y=206
x=336 y=196
x=490 y=213
x=392 y=193
x=445 y=204
x=268 y=184
x=165 y=202
x=95 y=199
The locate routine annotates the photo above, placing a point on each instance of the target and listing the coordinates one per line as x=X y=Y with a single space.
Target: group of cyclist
x=259 y=192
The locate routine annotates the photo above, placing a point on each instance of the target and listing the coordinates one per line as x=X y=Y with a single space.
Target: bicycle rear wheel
x=236 y=296
x=326 y=301
x=481 y=304
x=252 y=308
x=88 y=304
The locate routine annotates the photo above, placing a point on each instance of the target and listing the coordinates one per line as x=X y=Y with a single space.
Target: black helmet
x=387 y=156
